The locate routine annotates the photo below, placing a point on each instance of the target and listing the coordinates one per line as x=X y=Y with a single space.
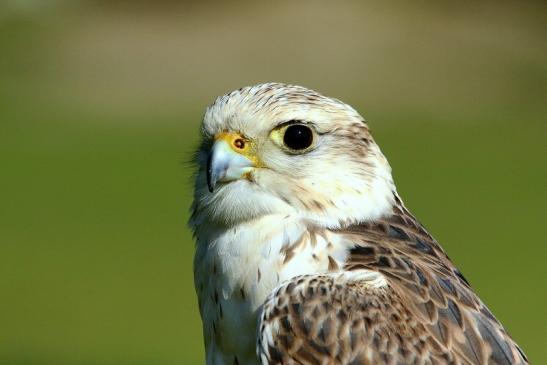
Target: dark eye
x=298 y=137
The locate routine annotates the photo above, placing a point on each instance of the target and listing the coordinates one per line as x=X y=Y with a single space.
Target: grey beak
x=211 y=177
x=224 y=164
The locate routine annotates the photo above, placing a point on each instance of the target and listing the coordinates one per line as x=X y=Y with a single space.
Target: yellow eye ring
x=294 y=137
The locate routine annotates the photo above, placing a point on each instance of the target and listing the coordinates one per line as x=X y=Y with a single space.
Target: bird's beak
x=229 y=159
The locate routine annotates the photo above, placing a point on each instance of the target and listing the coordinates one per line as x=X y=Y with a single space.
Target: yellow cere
x=241 y=145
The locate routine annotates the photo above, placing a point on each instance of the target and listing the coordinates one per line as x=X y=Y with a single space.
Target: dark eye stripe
x=298 y=137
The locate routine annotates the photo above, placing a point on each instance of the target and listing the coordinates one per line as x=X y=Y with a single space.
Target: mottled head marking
x=246 y=107
x=344 y=175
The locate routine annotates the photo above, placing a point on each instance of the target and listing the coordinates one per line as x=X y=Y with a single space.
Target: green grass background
x=95 y=256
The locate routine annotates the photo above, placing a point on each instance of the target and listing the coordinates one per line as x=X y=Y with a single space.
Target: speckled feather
x=312 y=258
x=427 y=314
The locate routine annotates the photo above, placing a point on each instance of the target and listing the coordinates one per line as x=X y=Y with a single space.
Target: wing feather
x=426 y=314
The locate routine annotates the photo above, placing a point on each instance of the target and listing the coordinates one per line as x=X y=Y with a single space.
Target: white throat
x=237 y=268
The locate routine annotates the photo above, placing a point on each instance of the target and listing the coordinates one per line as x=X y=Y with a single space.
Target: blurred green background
x=100 y=103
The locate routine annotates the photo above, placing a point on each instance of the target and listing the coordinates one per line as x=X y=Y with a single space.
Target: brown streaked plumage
x=306 y=254
x=428 y=313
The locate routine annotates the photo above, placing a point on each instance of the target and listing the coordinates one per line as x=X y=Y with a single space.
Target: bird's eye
x=298 y=137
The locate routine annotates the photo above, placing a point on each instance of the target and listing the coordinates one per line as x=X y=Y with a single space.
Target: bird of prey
x=306 y=254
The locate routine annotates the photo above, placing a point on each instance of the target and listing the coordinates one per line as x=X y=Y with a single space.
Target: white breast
x=236 y=269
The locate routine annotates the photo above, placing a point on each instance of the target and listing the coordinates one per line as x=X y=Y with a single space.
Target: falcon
x=306 y=254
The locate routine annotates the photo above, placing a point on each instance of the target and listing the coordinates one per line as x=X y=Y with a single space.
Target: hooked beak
x=225 y=163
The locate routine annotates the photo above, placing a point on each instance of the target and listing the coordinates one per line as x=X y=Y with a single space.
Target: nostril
x=239 y=143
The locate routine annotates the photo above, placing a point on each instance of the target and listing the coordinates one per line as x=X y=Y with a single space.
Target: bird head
x=284 y=149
